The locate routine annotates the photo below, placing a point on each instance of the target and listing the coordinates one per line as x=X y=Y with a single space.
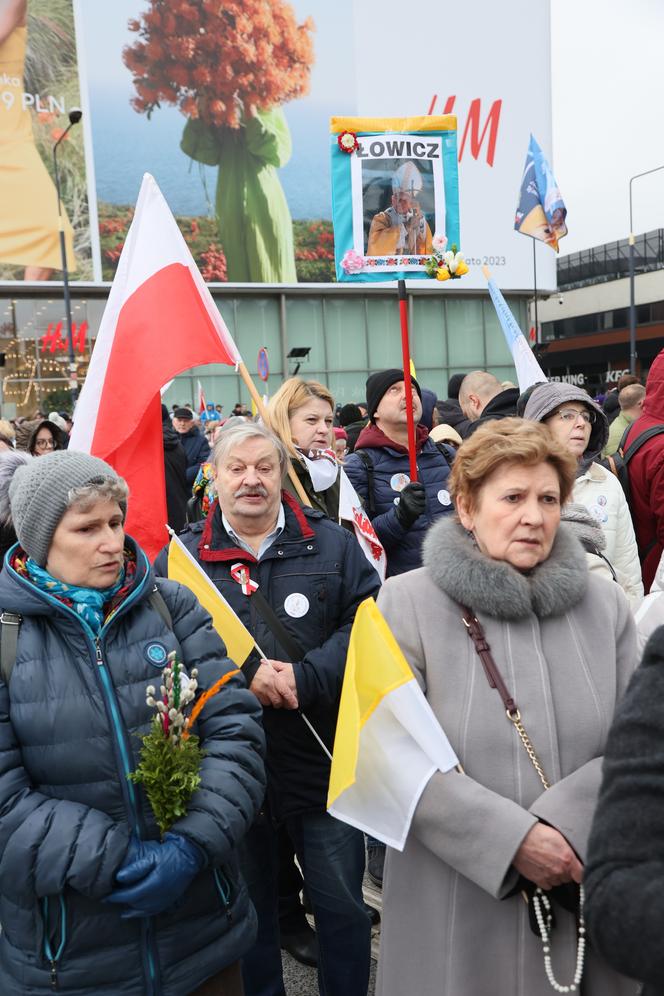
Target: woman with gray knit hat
x=577 y=422
x=92 y=899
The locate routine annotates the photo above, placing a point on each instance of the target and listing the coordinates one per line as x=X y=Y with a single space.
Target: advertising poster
x=228 y=106
x=39 y=84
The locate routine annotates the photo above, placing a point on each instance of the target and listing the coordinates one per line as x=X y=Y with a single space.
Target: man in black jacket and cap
x=195 y=445
x=175 y=468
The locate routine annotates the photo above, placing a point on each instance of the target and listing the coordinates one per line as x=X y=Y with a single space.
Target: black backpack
x=617 y=463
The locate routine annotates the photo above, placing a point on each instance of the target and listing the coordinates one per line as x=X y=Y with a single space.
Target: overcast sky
x=608 y=115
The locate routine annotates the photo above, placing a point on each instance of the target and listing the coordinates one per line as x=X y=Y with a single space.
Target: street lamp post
x=75 y=116
x=632 y=305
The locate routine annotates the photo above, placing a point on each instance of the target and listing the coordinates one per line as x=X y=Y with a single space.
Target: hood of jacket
x=585 y=526
x=374 y=437
x=496 y=588
x=548 y=397
x=653 y=403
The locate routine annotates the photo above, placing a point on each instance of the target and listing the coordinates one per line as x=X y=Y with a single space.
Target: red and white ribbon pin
x=240 y=573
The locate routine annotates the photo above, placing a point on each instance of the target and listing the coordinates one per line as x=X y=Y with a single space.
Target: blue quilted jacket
x=390 y=472
x=69 y=726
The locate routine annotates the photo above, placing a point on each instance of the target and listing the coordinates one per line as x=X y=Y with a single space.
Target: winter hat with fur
x=39 y=495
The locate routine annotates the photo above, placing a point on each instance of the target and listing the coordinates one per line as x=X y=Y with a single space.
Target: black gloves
x=412 y=504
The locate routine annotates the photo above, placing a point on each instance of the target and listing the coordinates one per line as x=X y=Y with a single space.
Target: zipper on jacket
x=224 y=890
x=54 y=957
x=126 y=786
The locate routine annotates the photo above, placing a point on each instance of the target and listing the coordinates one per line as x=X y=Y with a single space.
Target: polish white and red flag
x=350 y=510
x=202 y=403
x=160 y=320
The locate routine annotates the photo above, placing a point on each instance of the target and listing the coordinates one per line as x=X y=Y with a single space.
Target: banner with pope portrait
x=395 y=195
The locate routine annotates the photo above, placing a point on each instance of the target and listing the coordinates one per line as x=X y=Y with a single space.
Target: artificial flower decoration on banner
x=445 y=264
x=348 y=142
x=394 y=183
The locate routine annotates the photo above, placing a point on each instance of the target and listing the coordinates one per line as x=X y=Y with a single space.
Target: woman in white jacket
x=581 y=426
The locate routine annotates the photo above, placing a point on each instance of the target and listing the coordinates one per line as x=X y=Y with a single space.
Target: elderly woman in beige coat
x=455 y=922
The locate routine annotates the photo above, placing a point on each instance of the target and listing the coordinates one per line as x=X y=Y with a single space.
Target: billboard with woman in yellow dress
x=38 y=85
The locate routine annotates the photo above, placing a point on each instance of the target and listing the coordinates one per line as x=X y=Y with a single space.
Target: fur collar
x=495 y=587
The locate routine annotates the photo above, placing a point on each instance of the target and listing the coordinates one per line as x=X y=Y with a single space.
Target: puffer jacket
x=390 y=474
x=313 y=576
x=600 y=492
x=70 y=723
x=646 y=475
x=196 y=449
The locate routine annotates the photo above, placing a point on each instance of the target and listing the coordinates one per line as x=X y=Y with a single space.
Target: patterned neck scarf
x=91 y=604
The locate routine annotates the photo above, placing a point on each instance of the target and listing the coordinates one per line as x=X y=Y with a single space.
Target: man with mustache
x=258 y=545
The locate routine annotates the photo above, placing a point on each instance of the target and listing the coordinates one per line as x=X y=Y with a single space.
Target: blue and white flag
x=528 y=370
x=541 y=211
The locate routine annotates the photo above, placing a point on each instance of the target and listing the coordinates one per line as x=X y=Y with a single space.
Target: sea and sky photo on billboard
x=39 y=85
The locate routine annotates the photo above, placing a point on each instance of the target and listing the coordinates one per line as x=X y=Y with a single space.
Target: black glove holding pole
x=412 y=504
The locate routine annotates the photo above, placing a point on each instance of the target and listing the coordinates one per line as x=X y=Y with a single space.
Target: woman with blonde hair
x=522 y=655
x=301 y=414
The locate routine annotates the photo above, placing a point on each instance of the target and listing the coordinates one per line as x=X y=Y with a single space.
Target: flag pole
x=537 y=335
x=260 y=408
x=408 y=385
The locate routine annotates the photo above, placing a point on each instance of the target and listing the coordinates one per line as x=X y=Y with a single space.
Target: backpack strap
x=156 y=600
x=9 y=626
x=640 y=440
x=10 y=623
x=368 y=463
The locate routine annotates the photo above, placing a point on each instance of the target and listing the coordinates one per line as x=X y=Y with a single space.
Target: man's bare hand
x=286 y=683
x=273 y=688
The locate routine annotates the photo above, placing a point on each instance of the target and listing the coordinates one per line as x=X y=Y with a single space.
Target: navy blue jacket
x=318 y=559
x=390 y=471
x=69 y=732
x=196 y=450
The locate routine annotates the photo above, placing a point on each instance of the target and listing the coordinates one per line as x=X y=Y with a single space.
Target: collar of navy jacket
x=216 y=545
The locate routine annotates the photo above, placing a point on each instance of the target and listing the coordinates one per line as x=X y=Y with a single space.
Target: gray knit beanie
x=39 y=495
x=548 y=397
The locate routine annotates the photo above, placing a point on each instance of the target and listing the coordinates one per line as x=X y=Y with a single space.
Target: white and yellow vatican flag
x=388 y=741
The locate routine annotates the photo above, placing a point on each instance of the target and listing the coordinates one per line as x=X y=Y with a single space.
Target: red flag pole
x=408 y=384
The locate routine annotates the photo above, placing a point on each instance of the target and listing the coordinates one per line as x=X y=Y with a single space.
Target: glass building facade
x=349 y=332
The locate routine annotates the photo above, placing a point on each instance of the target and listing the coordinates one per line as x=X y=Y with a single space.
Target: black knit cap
x=379 y=383
x=348 y=414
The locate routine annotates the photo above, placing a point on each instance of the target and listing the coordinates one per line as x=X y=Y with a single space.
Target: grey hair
x=10 y=461
x=236 y=434
x=99 y=489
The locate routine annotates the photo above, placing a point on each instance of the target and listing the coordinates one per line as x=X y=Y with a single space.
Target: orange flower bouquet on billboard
x=210 y=57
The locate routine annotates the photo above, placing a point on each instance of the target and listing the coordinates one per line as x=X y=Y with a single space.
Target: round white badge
x=444 y=497
x=399 y=481
x=296 y=605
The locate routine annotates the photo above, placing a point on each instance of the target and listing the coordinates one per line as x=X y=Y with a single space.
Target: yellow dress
x=28 y=200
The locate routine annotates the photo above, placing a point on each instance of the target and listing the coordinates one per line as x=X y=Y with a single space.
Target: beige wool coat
x=565 y=644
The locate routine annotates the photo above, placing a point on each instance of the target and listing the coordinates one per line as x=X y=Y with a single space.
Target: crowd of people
x=523 y=581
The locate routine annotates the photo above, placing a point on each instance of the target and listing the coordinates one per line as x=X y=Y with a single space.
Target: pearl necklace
x=542 y=907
